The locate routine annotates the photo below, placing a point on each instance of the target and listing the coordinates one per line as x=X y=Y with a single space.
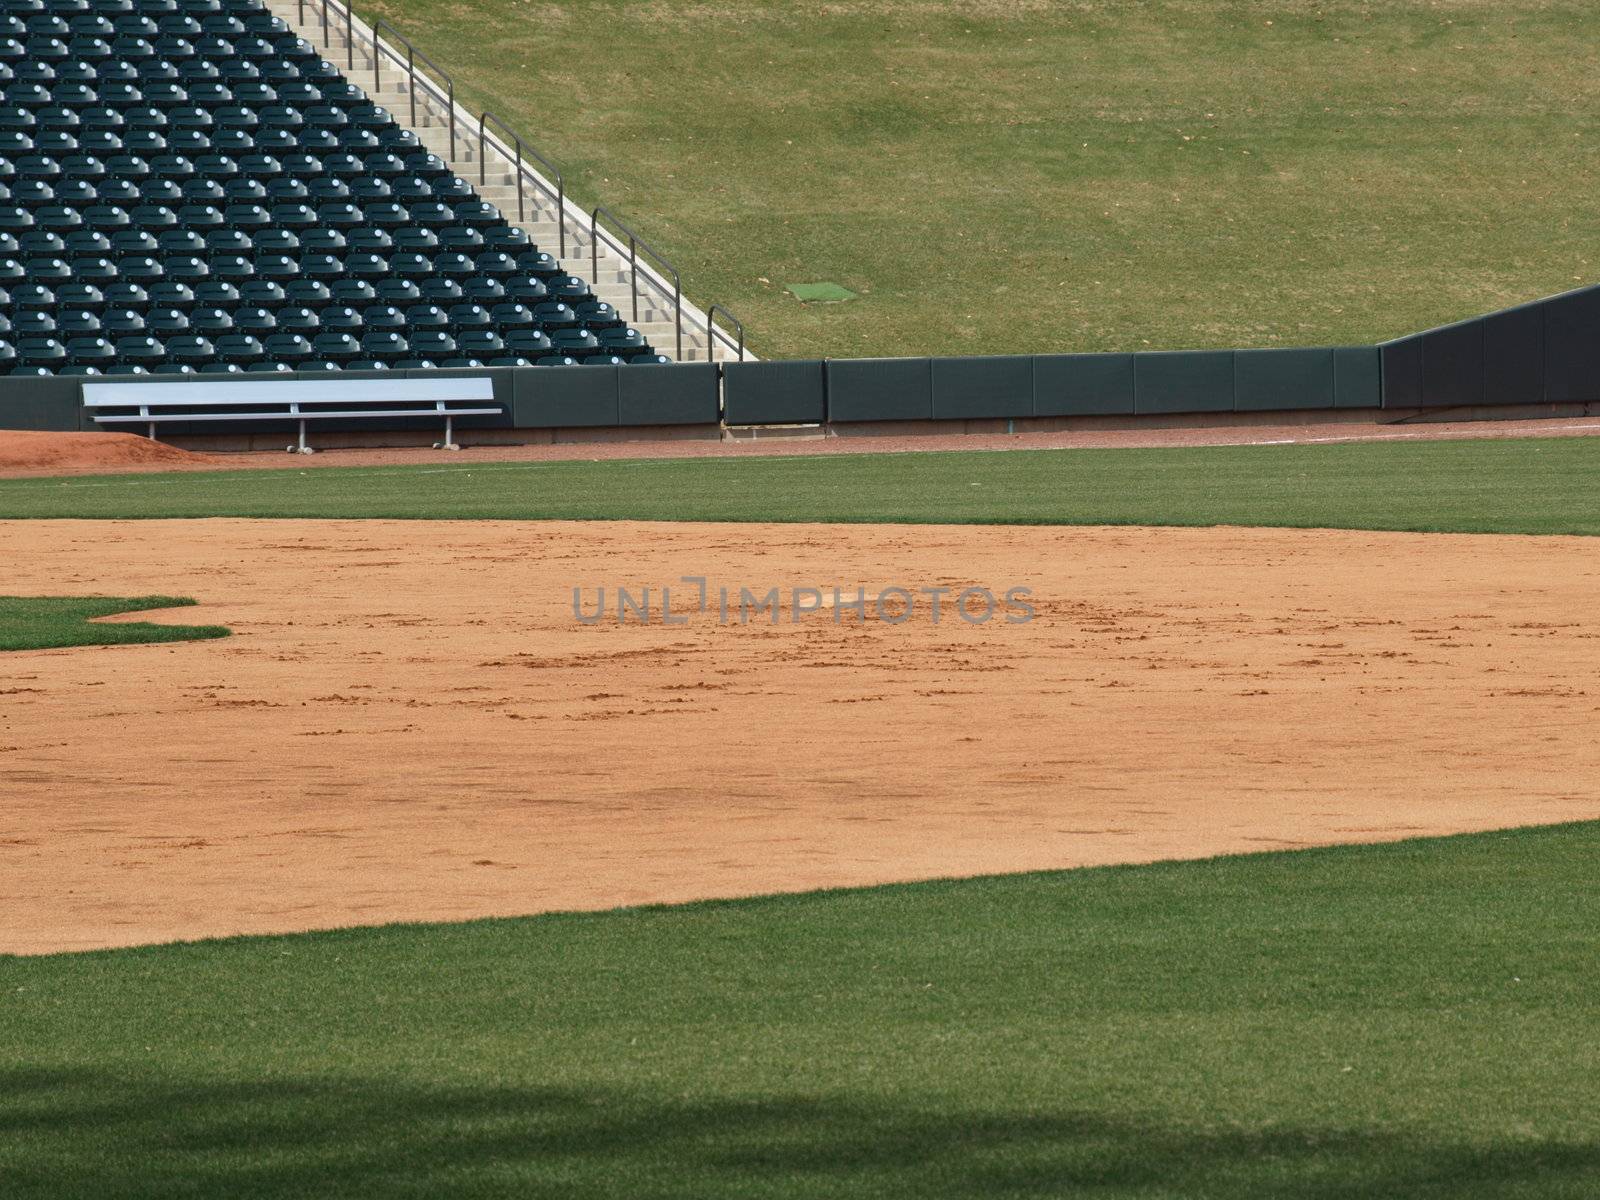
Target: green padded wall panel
x=1513 y=356
x=1402 y=373
x=1572 y=347
x=42 y=402
x=990 y=386
x=1357 y=377
x=1266 y=380
x=773 y=393
x=1183 y=381
x=1452 y=365
x=679 y=394
x=565 y=397
x=880 y=389
x=1082 y=385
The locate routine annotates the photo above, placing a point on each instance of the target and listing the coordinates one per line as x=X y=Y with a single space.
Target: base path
x=410 y=724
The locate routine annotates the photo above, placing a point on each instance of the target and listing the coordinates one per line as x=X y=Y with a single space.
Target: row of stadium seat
x=304 y=293
x=556 y=320
x=305 y=82
x=282 y=268
x=318 y=364
x=155 y=8
x=261 y=167
x=384 y=345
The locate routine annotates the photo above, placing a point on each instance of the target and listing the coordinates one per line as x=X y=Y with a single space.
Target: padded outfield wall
x=1543 y=353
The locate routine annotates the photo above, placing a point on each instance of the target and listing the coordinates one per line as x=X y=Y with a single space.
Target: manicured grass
x=1514 y=486
x=45 y=622
x=1417 y=1020
x=1034 y=176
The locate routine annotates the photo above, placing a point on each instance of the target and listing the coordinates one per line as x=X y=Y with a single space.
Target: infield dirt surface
x=409 y=723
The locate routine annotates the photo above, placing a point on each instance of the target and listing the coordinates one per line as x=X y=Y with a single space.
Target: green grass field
x=1417 y=1020
x=1514 y=486
x=45 y=622
x=1085 y=175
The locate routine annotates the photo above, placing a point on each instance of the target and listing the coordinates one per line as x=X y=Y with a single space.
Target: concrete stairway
x=608 y=275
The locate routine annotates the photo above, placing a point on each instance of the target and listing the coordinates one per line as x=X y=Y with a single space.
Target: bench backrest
x=273 y=393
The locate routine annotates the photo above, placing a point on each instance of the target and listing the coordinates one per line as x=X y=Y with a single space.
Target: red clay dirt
x=409 y=724
x=33 y=452
x=770 y=446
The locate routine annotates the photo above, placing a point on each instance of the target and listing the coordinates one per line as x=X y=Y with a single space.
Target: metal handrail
x=710 y=336
x=636 y=244
x=412 y=55
x=514 y=148
x=560 y=196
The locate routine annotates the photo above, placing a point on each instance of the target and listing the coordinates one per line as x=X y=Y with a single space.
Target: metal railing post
x=350 y=37
x=711 y=337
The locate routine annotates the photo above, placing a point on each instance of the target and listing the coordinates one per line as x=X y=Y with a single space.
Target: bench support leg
x=300 y=447
x=152 y=434
x=449 y=442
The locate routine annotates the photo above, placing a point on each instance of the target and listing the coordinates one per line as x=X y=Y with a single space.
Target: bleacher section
x=188 y=186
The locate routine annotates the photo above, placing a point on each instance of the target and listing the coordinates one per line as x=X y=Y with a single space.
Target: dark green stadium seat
x=32 y=295
x=281 y=267
x=307 y=293
x=40 y=352
x=338 y=318
x=649 y=360
x=507 y=239
x=440 y=290
x=243 y=190
x=526 y=289
x=160 y=322
x=167 y=295
x=555 y=360
x=356 y=293
x=468 y=316
x=216 y=293
x=569 y=289
x=597 y=315
x=530 y=343
x=538 y=263
x=241 y=348
x=268 y=367
x=81 y=299
x=552 y=315
x=287 y=348
x=33 y=323
x=142 y=349
x=191 y=348
x=403 y=292
x=211 y=321
x=625 y=341
x=336 y=347
x=483 y=290
x=123 y=302
x=91 y=351
x=229 y=241
x=254 y=320
x=383 y=316
x=366 y=266
x=174 y=368
x=70 y=322
x=90 y=271
x=297 y=318
x=143 y=269
x=263 y=293
x=578 y=343
x=126 y=368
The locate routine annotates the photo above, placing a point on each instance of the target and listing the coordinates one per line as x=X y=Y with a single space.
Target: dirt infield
x=166 y=458
x=410 y=724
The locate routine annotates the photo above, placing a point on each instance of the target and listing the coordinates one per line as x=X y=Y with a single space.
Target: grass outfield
x=1416 y=1020
x=1511 y=486
x=1092 y=175
x=45 y=622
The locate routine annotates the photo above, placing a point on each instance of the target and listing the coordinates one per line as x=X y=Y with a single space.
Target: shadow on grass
x=79 y=1132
